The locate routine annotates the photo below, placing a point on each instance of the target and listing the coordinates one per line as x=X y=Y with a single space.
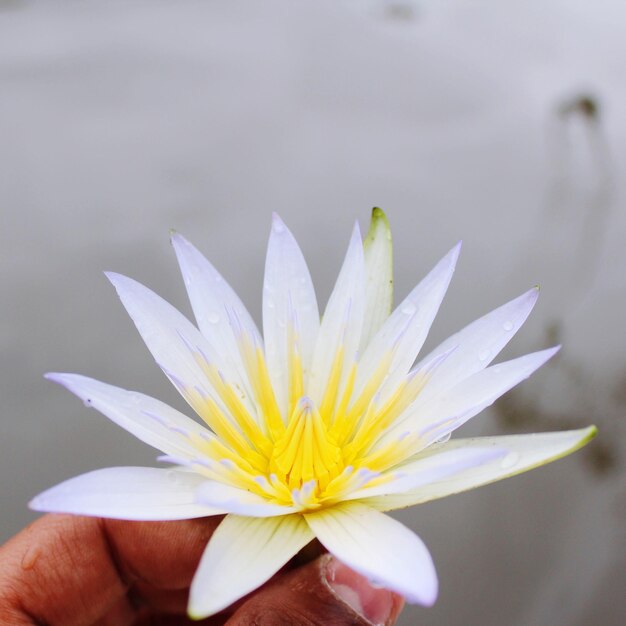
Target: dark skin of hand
x=67 y=570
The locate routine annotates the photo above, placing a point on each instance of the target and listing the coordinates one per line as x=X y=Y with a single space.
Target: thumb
x=324 y=591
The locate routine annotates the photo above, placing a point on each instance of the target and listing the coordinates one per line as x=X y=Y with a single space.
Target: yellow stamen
x=305 y=451
x=339 y=417
x=229 y=397
x=222 y=425
x=254 y=361
x=310 y=457
x=296 y=375
x=389 y=455
x=332 y=387
x=346 y=424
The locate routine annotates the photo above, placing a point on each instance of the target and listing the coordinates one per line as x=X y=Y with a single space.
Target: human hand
x=79 y=571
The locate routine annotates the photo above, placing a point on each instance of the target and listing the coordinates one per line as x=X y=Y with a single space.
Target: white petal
x=213 y=302
x=343 y=319
x=406 y=329
x=379 y=547
x=524 y=452
x=288 y=300
x=150 y=420
x=378 y=255
x=445 y=413
x=239 y=501
x=429 y=469
x=479 y=343
x=130 y=493
x=170 y=336
x=243 y=553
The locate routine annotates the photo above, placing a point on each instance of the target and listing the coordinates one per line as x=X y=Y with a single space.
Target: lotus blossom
x=317 y=427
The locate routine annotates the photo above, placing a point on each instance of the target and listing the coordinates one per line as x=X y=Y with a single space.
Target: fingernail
x=378 y=606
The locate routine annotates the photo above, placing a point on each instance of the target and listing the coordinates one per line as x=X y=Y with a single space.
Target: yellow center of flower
x=306 y=451
x=316 y=454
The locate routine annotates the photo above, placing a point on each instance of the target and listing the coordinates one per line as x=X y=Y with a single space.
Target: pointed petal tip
x=198 y=608
x=582 y=437
x=41 y=504
x=177 y=240
x=426 y=597
x=59 y=378
x=194 y=614
x=114 y=278
x=174 y=460
x=426 y=589
x=74 y=383
x=35 y=504
x=379 y=229
x=531 y=295
x=379 y=216
x=545 y=355
x=554 y=349
x=126 y=286
x=449 y=260
x=590 y=433
x=455 y=251
x=278 y=226
x=429 y=601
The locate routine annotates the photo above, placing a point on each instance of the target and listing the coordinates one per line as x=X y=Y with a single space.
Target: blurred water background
x=501 y=123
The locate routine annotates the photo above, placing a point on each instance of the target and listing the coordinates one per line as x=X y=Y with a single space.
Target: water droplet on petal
x=510 y=460
x=271 y=304
x=213 y=318
x=508 y=325
x=408 y=308
x=483 y=355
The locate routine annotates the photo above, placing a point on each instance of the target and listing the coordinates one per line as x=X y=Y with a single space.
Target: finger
x=69 y=571
x=324 y=591
x=162 y=554
x=160 y=600
x=175 y=620
x=121 y=613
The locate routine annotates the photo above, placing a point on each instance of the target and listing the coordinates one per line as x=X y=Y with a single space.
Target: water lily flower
x=317 y=427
